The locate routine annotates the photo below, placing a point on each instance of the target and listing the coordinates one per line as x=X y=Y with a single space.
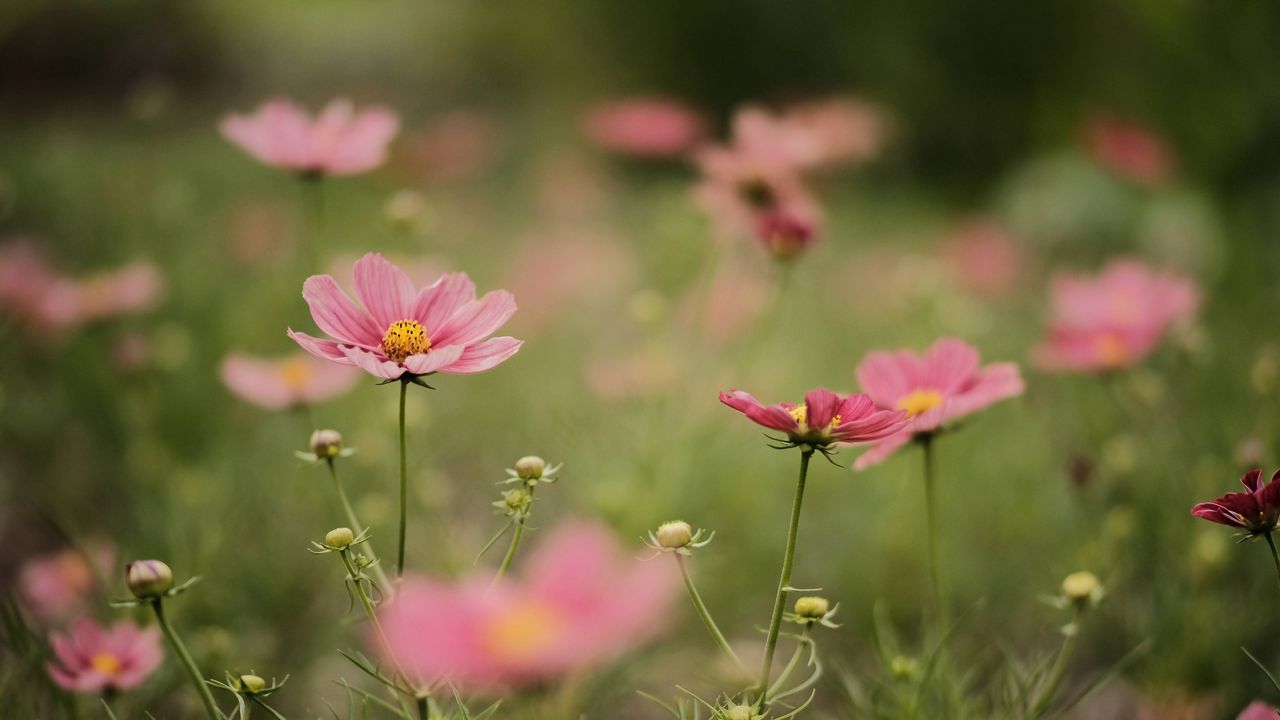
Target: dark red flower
x=822 y=419
x=1255 y=511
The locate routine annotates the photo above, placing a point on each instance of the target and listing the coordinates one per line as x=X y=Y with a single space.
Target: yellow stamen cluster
x=1111 y=350
x=801 y=415
x=920 y=401
x=523 y=631
x=405 y=338
x=106 y=663
x=295 y=373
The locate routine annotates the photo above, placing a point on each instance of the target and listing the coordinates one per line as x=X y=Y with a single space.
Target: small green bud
x=517 y=500
x=1082 y=587
x=903 y=668
x=252 y=683
x=339 y=538
x=739 y=712
x=812 y=607
x=326 y=444
x=674 y=535
x=530 y=467
x=148 y=578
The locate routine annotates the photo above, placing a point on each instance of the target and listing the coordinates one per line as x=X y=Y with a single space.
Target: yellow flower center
x=801 y=414
x=920 y=401
x=405 y=338
x=295 y=373
x=523 y=632
x=105 y=663
x=1111 y=350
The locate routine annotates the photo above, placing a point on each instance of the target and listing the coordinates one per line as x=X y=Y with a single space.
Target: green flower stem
x=511 y=549
x=1059 y=665
x=381 y=574
x=931 y=520
x=793 y=662
x=367 y=604
x=206 y=697
x=1274 y=556
x=404 y=482
x=707 y=620
x=784 y=582
x=424 y=712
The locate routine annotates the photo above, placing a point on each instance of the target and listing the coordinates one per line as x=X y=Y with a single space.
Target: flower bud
x=530 y=467
x=326 y=443
x=1081 y=587
x=903 y=668
x=517 y=500
x=812 y=607
x=739 y=712
x=674 y=535
x=339 y=538
x=252 y=683
x=148 y=578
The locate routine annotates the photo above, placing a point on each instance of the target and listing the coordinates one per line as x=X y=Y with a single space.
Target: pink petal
x=477 y=320
x=948 y=365
x=439 y=301
x=883 y=377
x=995 y=382
x=432 y=361
x=375 y=365
x=820 y=407
x=882 y=450
x=384 y=289
x=338 y=316
x=362 y=143
x=325 y=349
x=484 y=356
x=256 y=381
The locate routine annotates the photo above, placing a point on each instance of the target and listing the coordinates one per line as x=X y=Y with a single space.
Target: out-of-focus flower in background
x=1259 y=710
x=833 y=132
x=643 y=127
x=1130 y=150
x=61 y=585
x=94 y=659
x=454 y=147
x=1114 y=319
x=286 y=382
x=580 y=602
x=945 y=383
x=401 y=329
x=339 y=141
x=985 y=257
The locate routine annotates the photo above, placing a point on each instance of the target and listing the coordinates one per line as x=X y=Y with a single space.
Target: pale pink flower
x=26 y=279
x=1130 y=150
x=57 y=586
x=566 y=268
x=93 y=659
x=724 y=309
x=339 y=141
x=835 y=131
x=1114 y=319
x=455 y=146
x=280 y=383
x=1259 y=710
x=945 y=383
x=46 y=301
x=985 y=257
x=405 y=330
x=580 y=603
x=132 y=288
x=644 y=127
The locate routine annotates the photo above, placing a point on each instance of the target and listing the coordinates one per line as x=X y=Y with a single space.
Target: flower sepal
x=678 y=537
x=171 y=592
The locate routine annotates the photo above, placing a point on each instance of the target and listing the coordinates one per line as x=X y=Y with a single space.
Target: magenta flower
x=280 y=383
x=580 y=603
x=401 y=330
x=644 y=127
x=823 y=419
x=1112 y=320
x=339 y=141
x=1256 y=511
x=1129 y=150
x=943 y=384
x=1259 y=710
x=93 y=659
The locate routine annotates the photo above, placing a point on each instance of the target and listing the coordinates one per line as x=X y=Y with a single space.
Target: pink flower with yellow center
x=580 y=602
x=401 y=330
x=58 y=586
x=281 y=383
x=823 y=419
x=945 y=383
x=93 y=659
x=1112 y=320
x=339 y=141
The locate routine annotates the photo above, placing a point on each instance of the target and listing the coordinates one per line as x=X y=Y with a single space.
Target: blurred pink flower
x=401 y=329
x=93 y=659
x=945 y=383
x=59 y=585
x=822 y=419
x=985 y=256
x=834 y=131
x=1259 y=710
x=736 y=296
x=287 y=382
x=565 y=268
x=1130 y=150
x=580 y=603
x=26 y=279
x=456 y=146
x=1114 y=319
x=339 y=141
x=644 y=127
x=132 y=288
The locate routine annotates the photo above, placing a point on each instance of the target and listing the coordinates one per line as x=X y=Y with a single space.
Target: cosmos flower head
x=297 y=380
x=338 y=141
x=1256 y=510
x=823 y=420
x=94 y=659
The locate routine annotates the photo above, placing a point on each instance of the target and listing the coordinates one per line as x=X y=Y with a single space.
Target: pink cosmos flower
x=280 y=383
x=580 y=603
x=824 y=418
x=1259 y=710
x=57 y=586
x=339 y=141
x=834 y=131
x=1112 y=320
x=985 y=256
x=644 y=127
x=404 y=330
x=943 y=384
x=93 y=659
x=1129 y=150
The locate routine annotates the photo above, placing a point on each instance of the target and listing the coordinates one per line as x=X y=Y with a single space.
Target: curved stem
x=206 y=697
x=1059 y=666
x=707 y=620
x=367 y=604
x=357 y=527
x=404 y=482
x=784 y=581
x=795 y=660
x=1274 y=556
x=931 y=516
x=511 y=550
